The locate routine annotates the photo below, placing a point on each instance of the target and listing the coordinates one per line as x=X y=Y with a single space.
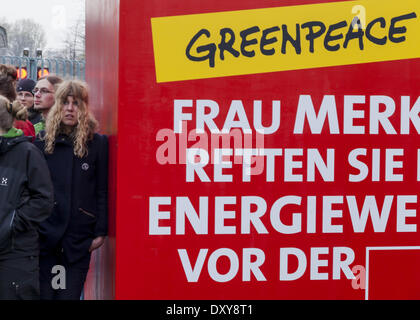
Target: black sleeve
x=38 y=198
x=101 y=228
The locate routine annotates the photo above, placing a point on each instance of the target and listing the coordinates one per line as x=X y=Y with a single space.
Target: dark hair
x=8 y=76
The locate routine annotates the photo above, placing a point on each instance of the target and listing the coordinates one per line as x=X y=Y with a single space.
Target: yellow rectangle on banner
x=285 y=38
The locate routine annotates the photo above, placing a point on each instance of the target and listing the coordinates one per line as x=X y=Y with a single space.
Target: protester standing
x=26 y=199
x=25 y=95
x=8 y=76
x=44 y=98
x=77 y=157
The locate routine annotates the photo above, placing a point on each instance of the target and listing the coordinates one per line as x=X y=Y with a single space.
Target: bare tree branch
x=74 y=43
x=24 y=33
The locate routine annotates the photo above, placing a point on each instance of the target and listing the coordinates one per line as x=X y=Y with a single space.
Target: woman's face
x=70 y=112
x=26 y=98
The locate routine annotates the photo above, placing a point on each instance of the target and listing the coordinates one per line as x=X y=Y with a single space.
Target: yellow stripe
x=171 y=36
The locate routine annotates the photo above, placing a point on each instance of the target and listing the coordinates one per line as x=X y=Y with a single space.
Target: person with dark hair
x=44 y=98
x=26 y=199
x=8 y=76
x=24 y=90
x=77 y=157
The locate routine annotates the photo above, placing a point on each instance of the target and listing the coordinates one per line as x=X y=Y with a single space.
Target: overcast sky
x=55 y=15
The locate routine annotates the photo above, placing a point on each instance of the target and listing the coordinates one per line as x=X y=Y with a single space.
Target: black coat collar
x=64 y=139
x=6 y=144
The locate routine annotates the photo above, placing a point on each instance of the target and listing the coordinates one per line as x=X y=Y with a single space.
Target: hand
x=96 y=243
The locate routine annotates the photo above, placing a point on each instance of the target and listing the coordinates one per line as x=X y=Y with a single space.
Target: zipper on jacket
x=87 y=213
x=12 y=231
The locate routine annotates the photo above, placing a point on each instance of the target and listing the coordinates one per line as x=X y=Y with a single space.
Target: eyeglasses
x=42 y=91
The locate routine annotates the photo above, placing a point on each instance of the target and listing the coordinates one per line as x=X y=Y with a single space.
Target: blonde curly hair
x=86 y=125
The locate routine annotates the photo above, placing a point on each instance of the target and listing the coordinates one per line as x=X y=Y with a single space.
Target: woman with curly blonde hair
x=77 y=157
x=80 y=125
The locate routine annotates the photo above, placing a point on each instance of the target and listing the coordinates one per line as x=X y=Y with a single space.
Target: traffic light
x=41 y=73
x=22 y=73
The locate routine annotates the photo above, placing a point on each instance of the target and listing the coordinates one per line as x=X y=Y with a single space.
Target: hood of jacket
x=10 y=139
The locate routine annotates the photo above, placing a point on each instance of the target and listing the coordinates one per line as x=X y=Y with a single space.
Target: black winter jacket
x=26 y=196
x=34 y=116
x=80 y=211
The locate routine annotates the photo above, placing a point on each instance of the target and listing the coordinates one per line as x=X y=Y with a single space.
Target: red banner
x=260 y=183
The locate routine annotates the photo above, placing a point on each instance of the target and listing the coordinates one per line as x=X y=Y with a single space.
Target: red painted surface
x=394 y=275
x=148 y=267
x=102 y=76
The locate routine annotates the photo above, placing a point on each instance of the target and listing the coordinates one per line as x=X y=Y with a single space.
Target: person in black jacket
x=78 y=161
x=26 y=199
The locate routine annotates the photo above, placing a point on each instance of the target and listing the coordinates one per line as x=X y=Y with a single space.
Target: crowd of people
x=53 y=186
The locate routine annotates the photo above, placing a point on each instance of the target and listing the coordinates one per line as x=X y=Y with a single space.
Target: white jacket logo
x=3 y=182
